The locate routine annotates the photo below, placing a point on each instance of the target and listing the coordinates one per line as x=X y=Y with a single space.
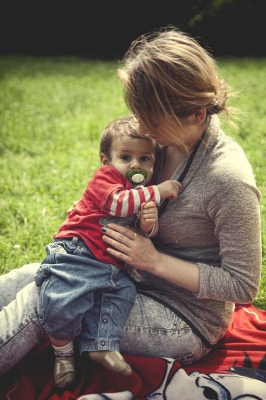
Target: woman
x=207 y=254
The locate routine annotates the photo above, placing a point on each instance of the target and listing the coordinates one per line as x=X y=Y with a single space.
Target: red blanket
x=235 y=370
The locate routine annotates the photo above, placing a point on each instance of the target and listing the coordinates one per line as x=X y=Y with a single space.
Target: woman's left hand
x=130 y=247
x=139 y=252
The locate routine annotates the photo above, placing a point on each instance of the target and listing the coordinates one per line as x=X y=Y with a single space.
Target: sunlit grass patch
x=52 y=111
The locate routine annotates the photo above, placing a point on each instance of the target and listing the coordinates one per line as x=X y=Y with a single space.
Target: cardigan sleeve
x=235 y=211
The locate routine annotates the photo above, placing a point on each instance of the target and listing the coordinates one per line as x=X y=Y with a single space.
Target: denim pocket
x=69 y=246
x=42 y=273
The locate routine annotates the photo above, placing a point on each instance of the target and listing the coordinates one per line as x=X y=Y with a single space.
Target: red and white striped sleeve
x=127 y=202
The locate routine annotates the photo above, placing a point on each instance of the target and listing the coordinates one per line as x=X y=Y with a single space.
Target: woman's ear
x=104 y=159
x=199 y=116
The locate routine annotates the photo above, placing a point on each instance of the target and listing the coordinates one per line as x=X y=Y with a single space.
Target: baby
x=85 y=292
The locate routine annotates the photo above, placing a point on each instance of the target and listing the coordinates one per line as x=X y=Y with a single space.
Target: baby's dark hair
x=125 y=126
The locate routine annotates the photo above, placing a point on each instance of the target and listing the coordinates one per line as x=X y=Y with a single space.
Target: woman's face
x=170 y=133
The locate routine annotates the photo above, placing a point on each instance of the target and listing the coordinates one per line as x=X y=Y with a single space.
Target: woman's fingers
x=121 y=238
x=122 y=241
x=130 y=247
x=120 y=233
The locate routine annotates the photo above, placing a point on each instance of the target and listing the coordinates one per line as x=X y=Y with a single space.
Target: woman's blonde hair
x=168 y=74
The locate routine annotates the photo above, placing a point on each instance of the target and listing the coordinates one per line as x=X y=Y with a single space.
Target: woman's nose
x=142 y=130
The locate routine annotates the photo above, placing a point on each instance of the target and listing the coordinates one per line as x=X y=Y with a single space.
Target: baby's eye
x=125 y=158
x=145 y=158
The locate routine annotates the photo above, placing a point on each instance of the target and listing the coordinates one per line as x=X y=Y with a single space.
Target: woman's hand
x=130 y=247
x=138 y=251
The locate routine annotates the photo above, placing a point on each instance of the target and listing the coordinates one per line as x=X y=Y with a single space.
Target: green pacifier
x=136 y=177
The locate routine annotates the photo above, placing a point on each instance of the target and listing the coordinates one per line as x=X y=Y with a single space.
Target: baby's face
x=130 y=153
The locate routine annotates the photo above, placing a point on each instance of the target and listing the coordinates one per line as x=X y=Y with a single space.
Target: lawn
x=51 y=114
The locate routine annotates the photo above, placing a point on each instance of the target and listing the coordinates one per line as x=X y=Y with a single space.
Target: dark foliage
x=104 y=28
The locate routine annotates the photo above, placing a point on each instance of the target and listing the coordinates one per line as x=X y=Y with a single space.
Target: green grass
x=51 y=114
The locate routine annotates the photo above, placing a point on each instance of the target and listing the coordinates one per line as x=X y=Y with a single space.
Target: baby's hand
x=72 y=208
x=148 y=216
x=169 y=189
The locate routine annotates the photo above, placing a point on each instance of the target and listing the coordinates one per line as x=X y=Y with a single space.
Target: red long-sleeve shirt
x=108 y=194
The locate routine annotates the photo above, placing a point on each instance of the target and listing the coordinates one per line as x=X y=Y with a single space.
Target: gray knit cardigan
x=215 y=223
